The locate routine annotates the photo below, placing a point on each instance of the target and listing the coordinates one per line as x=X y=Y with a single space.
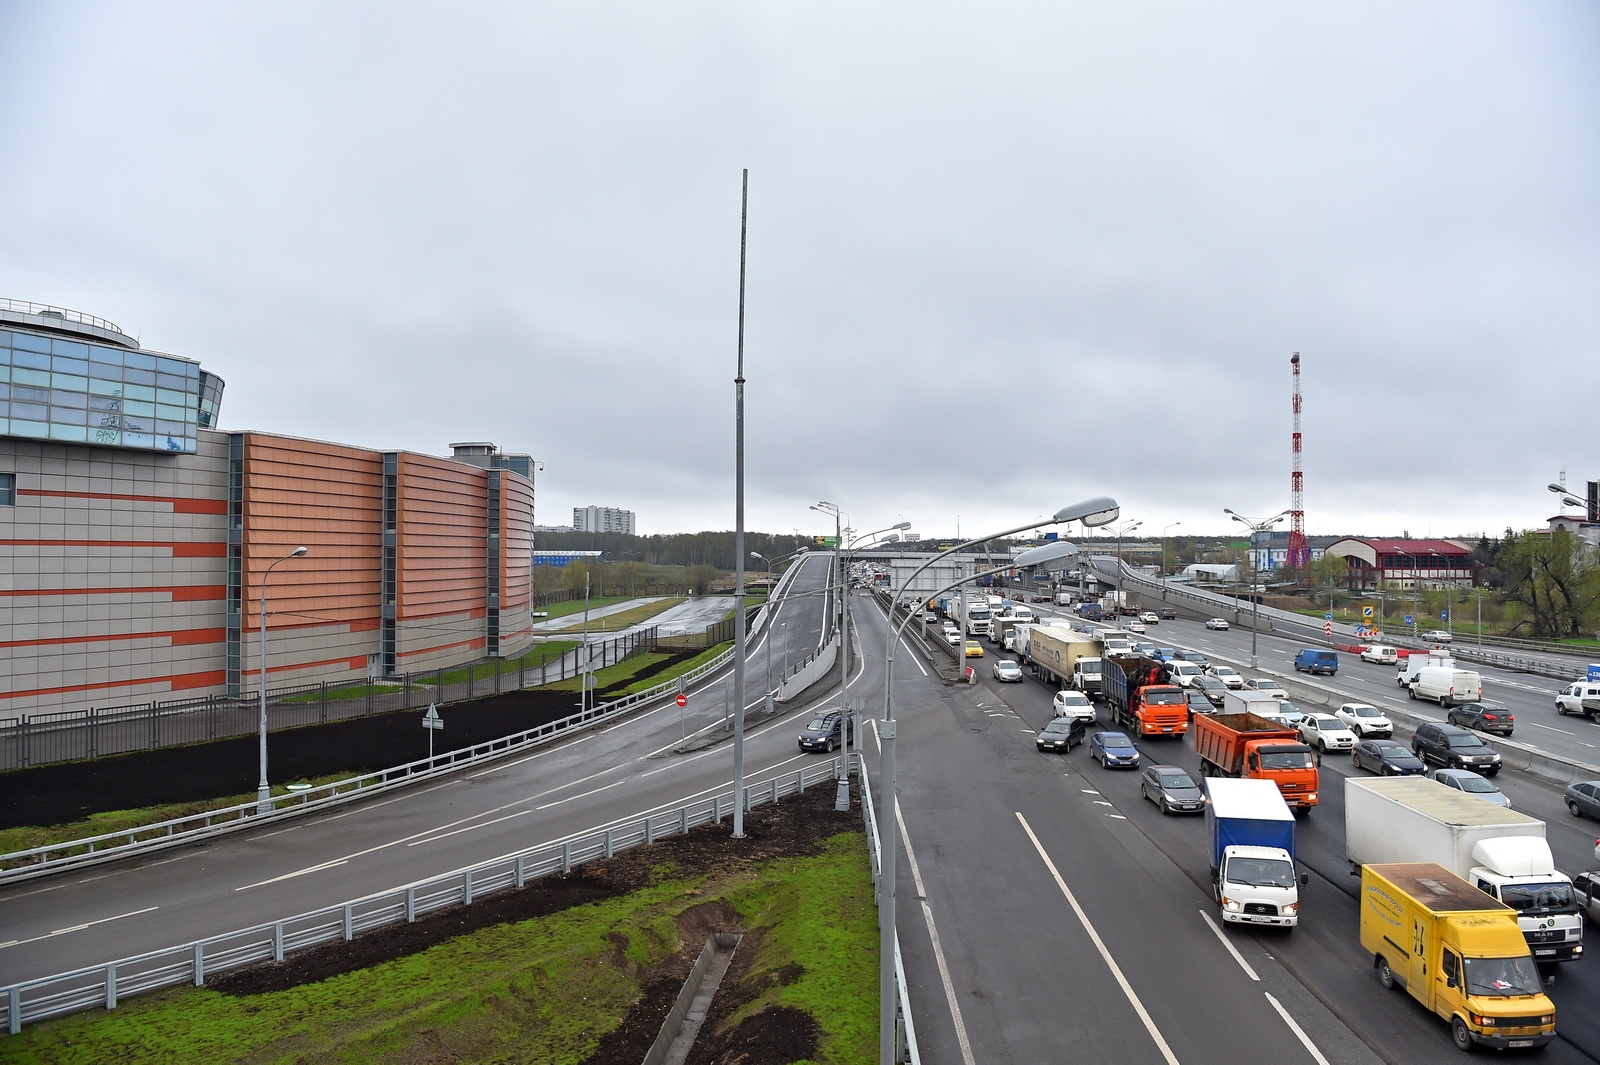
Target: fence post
x=322 y=703
x=370 y=693
x=152 y=726
x=277 y=941
x=609 y=851
x=683 y=821
x=522 y=870
x=649 y=830
x=199 y=965
x=716 y=809
x=472 y=676
x=522 y=672
x=111 y=986
x=566 y=857
x=349 y=923
x=466 y=888
x=411 y=905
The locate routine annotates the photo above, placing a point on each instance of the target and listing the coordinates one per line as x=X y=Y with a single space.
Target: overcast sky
x=1002 y=257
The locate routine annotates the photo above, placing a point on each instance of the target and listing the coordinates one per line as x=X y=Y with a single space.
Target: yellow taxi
x=974 y=649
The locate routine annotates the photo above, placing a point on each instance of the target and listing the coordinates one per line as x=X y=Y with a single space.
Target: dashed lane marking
x=1251 y=973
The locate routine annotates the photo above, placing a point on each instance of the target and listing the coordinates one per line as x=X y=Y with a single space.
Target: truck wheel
x=1385 y=974
x=1444 y=702
x=1410 y=693
x=1461 y=1035
x=1561 y=708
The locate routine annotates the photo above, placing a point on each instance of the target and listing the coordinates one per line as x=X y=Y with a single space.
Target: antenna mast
x=1299 y=554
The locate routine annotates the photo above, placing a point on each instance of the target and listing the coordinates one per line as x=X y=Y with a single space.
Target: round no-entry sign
x=683 y=700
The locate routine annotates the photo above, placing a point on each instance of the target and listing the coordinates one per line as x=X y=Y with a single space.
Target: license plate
x=1542 y=952
x=1519 y=1043
x=1255 y=919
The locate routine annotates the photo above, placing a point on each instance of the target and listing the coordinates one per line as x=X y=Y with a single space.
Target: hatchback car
x=1473 y=784
x=1059 y=735
x=1171 y=789
x=1484 y=717
x=1150 y=617
x=1454 y=748
x=1326 y=733
x=1583 y=798
x=1006 y=670
x=1228 y=676
x=1364 y=720
x=1113 y=750
x=1388 y=758
x=1073 y=704
x=1220 y=624
x=1198 y=702
x=1265 y=684
x=824 y=732
x=974 y=649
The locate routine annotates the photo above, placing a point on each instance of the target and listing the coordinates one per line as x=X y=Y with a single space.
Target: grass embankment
x=535 y=657
x=575 y=606
x=28 y=836
x=639 y=663
x=542 y=990
x=623 y=618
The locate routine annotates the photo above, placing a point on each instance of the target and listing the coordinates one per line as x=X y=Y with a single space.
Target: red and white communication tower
x=1299 y=554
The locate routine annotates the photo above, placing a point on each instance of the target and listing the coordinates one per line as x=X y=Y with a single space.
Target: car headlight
x=1291 y=909
x=1481 y=1021
x=1229 y=904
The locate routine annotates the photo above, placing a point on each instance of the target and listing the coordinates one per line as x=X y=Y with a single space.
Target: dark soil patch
x=70 y=791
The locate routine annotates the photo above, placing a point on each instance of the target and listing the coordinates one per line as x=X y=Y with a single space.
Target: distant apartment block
x=602 y=519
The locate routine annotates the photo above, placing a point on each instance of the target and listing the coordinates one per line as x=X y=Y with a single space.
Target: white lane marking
x=77 y=927
x=1100 y=802
x=1298 y=1031
x=531 y=757
x=1251 y=973
x=1552 y=728
x=408 y=795
x=1088 y=791
x=474 y=828
x=298 y=872
x=1119 y=817
x=1099 y=944
x=583 y=795
x=1029 y=731
x=938 y=948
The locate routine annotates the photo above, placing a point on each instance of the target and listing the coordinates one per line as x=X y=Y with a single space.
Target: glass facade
x=54 y=388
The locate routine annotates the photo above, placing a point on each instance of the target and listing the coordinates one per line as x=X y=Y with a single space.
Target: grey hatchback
x=1171 y=789
x=1583 y=798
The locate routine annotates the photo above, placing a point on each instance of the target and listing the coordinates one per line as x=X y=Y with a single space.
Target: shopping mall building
x=135 y=535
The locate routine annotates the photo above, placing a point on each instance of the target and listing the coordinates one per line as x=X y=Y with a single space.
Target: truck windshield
x=1502 y=976
x=1553 y=896
x=1260 y=872
x=1286 y=760
x=1163 y=698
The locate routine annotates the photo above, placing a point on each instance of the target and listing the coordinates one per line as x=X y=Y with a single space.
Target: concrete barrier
x=805 y=676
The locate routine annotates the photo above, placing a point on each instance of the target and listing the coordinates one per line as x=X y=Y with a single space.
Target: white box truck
x=1499 y=851
x=1446 y=685
x=1253 y=874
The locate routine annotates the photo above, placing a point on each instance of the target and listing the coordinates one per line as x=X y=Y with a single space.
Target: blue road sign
x=1410 y=620
x=1327 y=617
x=1444 y=615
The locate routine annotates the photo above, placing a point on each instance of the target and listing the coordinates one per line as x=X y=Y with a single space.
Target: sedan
x=1212 y=687
x=1386 y=758
x=1364 y=719
x=1113 y=750
x=1228 y=676
x=1171 y=789
x=1438 y=636
x=1326 y=733
x=1006 y=670
x=1583 y=798
x=1059 y=735
x=1220 y=624
x=1150 y=617
x=1473 y=784
x=974 y=649
x=1271 y=687
x=1484 y=717
x=1135 y=626
x=1199 y=702
x=1168 y=614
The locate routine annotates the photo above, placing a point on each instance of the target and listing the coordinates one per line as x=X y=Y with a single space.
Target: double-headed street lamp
x=1256 y=529
x=1093 y=513
x=1164 y=529
x=1127 y=527
x=263 y=789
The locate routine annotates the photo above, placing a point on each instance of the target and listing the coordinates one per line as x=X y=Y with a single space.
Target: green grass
x=575 y=606
x=623 y=618
x=542 y=990
x=535 y=657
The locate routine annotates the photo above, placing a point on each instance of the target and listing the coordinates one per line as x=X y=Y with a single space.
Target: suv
x=1365 y=720
x=1455 y=748
x=1168 y=614
x=1483 y=717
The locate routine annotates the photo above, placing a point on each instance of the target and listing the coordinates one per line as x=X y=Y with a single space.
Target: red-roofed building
x=1404 y=563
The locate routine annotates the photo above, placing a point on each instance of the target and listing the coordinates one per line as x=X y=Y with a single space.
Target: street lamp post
x=1164 y=556
x=768 y=561
x=1126 y=528
x=263 y=789
x=1256 y=528
x=1093 y=512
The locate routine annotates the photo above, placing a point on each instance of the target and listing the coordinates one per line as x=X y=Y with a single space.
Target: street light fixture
x=1164 y=554
x=1256 y=528
x=263 y=789
x=1093 y=513
x=1127 y=527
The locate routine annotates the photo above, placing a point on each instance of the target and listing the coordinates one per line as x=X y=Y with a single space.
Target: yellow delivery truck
x=1458 y=951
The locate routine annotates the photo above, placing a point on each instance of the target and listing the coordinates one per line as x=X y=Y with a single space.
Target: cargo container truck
x=1456 y=951
x=1246 y=745
x=1253 y=873
x=1136 y=688
x=1498 y=851
x=1053 y=651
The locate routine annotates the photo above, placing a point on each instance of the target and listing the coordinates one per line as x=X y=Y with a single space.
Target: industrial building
x=1404 y=564
x=138 y=536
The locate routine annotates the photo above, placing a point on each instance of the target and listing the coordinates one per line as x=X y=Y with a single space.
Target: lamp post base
x=264 y=799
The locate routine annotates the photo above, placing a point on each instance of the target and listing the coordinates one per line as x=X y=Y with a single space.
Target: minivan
x=1312 y=660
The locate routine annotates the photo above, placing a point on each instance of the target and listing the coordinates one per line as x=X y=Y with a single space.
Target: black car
x=1212 y=688
x=1062 y=734
x=1386 y=757
x=825 y=732
x=1484 y=717
x=1455 y=747
x=1171 y=789
x=1193 y=656
x=1166 y=613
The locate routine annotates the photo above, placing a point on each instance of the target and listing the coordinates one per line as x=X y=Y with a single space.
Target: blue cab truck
x=1314 y=660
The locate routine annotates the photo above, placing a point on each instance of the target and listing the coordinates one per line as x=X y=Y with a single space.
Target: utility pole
x=738 y=534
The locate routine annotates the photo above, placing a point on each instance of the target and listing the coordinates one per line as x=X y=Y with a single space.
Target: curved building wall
x=441 y=563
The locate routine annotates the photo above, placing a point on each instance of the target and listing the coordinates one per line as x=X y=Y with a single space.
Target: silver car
x=1473 y=784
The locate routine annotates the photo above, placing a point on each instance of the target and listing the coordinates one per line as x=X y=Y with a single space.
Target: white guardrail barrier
x=104 y=985
x=906 y=1034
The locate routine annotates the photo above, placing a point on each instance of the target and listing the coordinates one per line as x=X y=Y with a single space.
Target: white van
x=1413 y=665
x=1381 y=654
x=1447 y=685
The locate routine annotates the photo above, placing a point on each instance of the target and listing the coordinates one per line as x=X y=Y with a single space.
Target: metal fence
x=69 y=735
x=905 y=1030
x=191 y=963
x=40 y=861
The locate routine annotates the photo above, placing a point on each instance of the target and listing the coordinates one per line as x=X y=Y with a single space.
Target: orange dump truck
x=1140 y=697
x=1258 y=748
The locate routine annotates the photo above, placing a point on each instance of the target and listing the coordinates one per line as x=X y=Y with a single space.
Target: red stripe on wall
x=181 y=681
x=482 y=641
x=187 y=549
x=196 y=593
x=180 y=504
x=178 y=638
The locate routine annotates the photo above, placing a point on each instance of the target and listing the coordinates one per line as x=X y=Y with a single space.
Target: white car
x=1074 y=705
x=1135 y=626
x=1229 y=676
x=1220 y=624
x=952 y=636
x=1326 y=733
x=1381 y=654
x=1271 y=687
x=1006 y=670
x=1184 y=674
x=1364 y=720
x=1150 y=617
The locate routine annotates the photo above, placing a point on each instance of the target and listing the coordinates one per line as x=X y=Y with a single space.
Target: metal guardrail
x=49 y=310
x=906 y=1035
x=29 y=1001
x=52 y=857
